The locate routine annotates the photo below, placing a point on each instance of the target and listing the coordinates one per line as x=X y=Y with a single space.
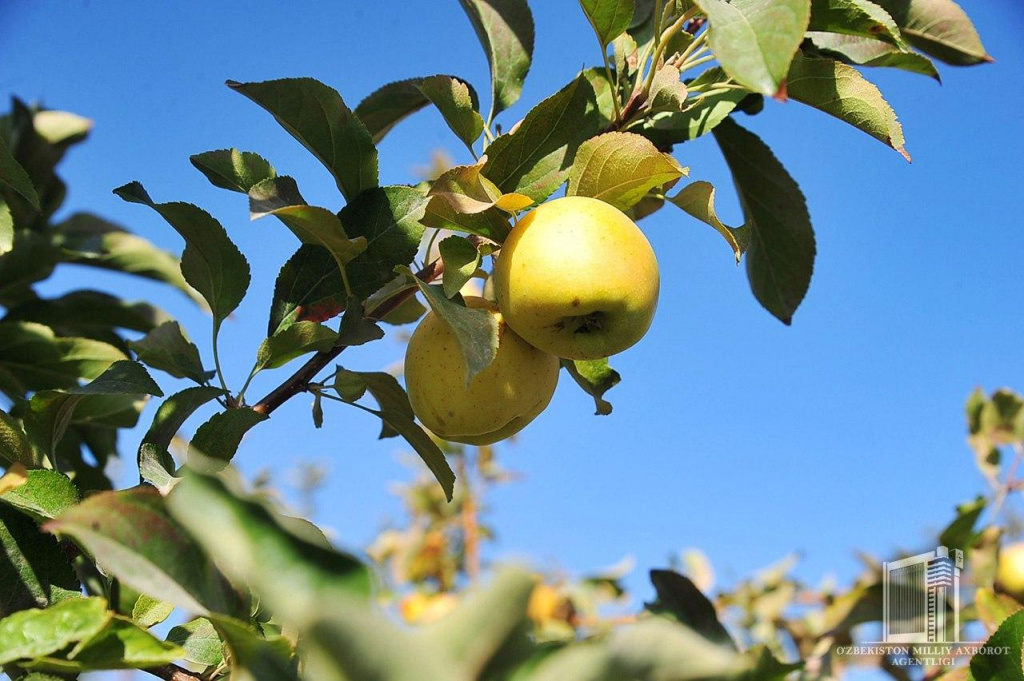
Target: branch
x=173 y=672
x=300 y=380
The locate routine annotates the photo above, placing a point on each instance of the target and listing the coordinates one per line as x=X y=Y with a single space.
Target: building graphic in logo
x=918 y=594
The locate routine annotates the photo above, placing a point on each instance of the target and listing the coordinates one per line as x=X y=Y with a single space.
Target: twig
x=300 y=380
x=172 y=672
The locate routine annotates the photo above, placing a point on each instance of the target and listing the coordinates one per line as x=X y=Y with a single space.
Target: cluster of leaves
x=73 y=368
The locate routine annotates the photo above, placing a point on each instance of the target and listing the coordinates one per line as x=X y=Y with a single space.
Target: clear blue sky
x=731 y=432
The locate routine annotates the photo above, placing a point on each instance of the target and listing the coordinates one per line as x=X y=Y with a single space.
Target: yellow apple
x=578 y=279
x=1010 y=573
x=498 y=402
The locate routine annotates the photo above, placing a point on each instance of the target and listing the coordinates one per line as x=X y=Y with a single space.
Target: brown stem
x=172 y=672
x=300 y=380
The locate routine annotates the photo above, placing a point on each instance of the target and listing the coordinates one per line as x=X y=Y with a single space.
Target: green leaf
x=132 y=537
x=37 y=632
x=121 y=645
x=681 y=599
x=232 y=169
x=166 y=348
x=698 y=199
x=839 y=90
x=710 y=106
x=868 y=52
x=609 y=18
x=312 y=225
x=61 y=128
x=475 y=329
x=534 y=158
x=218 y=439
x=200 y=641
x=44 y=495
x=86 y=239
x=397 y=416
x=253 y=656
x=766 y=667
x=173 y=413
x=308 y=288
x=780 y=258
x=668 y=93
x=596 y=377
x=505 y=30
x=355 y=329
x=994 y=608
x=939 y=28
x=855 y=17
x=297 y=340
x=89 y=314
x=39 y=360
x=157 y=467
x=755 y=40
x=318 y=118
x=620 y=168
x=457 y=102
x=148 y=611
x=211 y=263
x=387 y=106
x=13 y=177
x=6 y=228
x=34 y=570
x=1000 y=658
x=960 y=533
x=463 y=191
x=289 y=574
x=461 y=260
x=14 y=444
x=389 y=219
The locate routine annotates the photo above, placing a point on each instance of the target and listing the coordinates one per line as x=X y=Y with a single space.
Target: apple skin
x=499 y=402
x=577 y=279
x=1010 y=572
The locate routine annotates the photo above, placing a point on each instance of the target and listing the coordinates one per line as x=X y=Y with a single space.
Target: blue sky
x=731 y=432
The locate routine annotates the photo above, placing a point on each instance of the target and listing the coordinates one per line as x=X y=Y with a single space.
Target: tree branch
x=172 y=672
x=300 y=380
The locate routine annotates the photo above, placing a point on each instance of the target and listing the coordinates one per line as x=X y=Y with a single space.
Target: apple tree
x=89 y=571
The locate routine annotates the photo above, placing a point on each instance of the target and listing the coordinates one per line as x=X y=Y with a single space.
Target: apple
x=577 y=279
x=1010 y=572
x=500 y=400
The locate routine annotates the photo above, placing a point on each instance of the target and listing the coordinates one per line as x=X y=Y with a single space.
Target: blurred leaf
x=6 y=228
x=461 y=260
x=13 y=178
x=14 y=444
x=35 y=632
x=387 y=106
x=993 y=609
x=839 y=90
x=609 y=18
x=389 y=219
x=255 y=658
x=475 y=329
x=61 y=128
x=960 y=532
x=458 y=104
x=290 y=575
x=505 y=30
x=211 y=263
x=754 y=42
x=44 y=495
x=200 y=640
x=232 y=169
x=861 y=18
x=698 y=199
x=218 y=439
x=766 y=667
x=780 y=258
x=296 y=340
x=680 y=598
x=167 y=349
x=39 y=360
x=356 y=329
x=86 y=239
x=939 y=28
x=309 y=287
x=398 y=418
x=31 y=258
x=316 y=116
x=534 y=158
x=133 y=538
x=311 y=224
x=596 y=377
x=869 y=52
x=619 y=168
x=148 y=611
x=34 y=570
x=1000 y=658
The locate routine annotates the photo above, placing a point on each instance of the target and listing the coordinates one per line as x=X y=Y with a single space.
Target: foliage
x=87 y=571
